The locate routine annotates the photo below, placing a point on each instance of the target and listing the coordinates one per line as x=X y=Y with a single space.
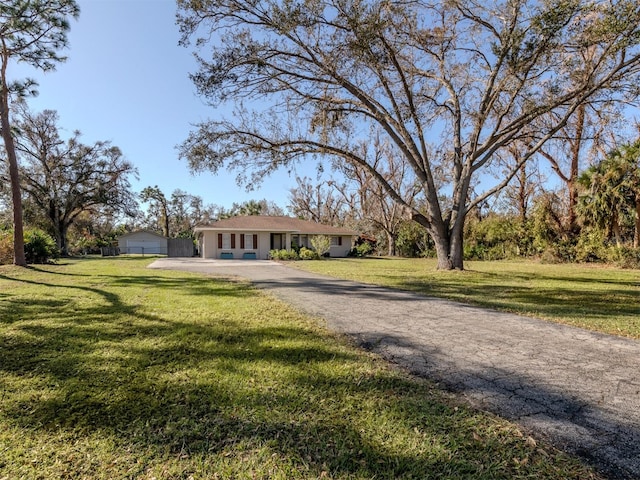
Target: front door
x=277 y=241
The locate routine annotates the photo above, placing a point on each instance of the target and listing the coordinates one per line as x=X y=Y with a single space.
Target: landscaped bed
x=110 y=370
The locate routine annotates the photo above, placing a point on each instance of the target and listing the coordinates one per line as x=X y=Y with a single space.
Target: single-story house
x=142 y=242
x=254 y=236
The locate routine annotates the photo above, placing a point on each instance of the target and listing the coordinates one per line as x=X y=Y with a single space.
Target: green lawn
x=599 y=298
x=109 y=370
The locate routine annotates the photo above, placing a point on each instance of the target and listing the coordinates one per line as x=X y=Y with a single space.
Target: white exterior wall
x=341 y=250
x=209 y=245
x=264 y=245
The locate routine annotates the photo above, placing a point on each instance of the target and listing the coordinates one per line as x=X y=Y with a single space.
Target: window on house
x=336 y=241
x=248 y=241
x=226 y=241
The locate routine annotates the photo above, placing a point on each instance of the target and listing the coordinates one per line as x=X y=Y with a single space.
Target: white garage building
x=142 y=242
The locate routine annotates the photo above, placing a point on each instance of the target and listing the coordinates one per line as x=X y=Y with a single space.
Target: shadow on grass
x=590 y=280
x=152 y=399
x=547 y=302
x=57 y=269
x=219 y=389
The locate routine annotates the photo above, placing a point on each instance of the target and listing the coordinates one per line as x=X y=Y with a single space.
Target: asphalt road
x=578 y=389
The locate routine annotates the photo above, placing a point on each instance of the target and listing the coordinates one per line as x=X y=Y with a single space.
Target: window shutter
x=255 y=242
x=233 y=240
x=242 y=241
x=219 y=240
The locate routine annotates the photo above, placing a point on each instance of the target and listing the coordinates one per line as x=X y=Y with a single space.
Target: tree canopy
x=66 y=178
x=449 y=85
x=612 y=193
x=33 y=32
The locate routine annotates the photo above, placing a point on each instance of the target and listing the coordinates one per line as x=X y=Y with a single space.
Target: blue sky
x=126 y=80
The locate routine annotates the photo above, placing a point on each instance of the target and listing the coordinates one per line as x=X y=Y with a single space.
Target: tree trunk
x=573 y=171
x=450 y=253
x=391 y=240
x=636 y=231
x=448 y=243
x=442 y=253
x=61 y=238
x=456 y=249
x=16 y=196
x=522 y=196
x=165 y=227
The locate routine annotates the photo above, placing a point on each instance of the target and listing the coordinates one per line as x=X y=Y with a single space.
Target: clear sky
x=126 y=80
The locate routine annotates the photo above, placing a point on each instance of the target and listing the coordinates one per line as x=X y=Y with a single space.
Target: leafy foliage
x=361 y=250
x=307 y=254
x=283 y=254
x=496 y=237
x=65 y=179
x=39 y=247
x=611 y=200
x=321 y=244
x=294 y=254
x=414 y=241
x=6 y=247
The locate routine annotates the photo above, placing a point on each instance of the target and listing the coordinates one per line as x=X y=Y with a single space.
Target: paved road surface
x=579 y=389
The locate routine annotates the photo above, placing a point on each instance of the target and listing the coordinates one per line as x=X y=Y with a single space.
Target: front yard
x=110 y=370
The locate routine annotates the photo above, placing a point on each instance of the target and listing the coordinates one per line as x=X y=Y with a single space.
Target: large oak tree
x=451 y=84
x=67 y=178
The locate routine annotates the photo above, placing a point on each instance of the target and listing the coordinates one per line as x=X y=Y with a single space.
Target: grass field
x=598 y=298
x=112 y=371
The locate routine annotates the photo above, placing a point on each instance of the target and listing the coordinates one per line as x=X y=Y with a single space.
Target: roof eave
x=269 y=230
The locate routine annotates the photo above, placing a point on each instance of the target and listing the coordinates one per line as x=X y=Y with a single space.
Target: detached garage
x=142 y=242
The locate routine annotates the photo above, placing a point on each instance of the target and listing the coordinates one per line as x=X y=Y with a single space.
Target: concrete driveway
x=578 y=389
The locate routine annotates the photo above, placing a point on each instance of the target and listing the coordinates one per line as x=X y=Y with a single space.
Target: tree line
x=80 y=193
x=598 y=220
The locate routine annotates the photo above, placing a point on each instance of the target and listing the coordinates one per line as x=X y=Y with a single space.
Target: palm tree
x=612 y=193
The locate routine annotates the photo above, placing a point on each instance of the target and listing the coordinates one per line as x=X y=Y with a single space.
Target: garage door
x=142 y=247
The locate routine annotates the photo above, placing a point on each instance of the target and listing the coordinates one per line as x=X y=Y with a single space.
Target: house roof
x=264 y=223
